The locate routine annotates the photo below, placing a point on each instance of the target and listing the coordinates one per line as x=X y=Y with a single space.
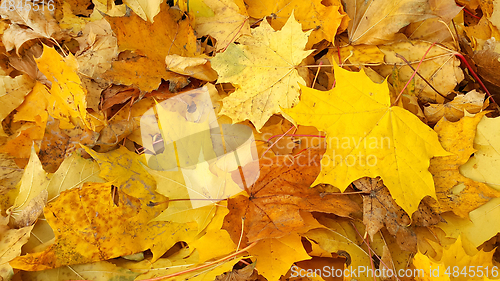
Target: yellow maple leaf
x=366 y=136
x=263 y=68
x=276 y=256
x=455 y=264
x=95 y=228
x=151 y=42
x=326 y=20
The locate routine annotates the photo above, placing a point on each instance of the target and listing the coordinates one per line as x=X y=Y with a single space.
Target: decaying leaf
x=151 y=42
x=379 y=209
x=100 y=213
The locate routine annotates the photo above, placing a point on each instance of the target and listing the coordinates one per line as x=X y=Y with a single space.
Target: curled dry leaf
x=197 y=67
x=472 y=102
x=379 y=209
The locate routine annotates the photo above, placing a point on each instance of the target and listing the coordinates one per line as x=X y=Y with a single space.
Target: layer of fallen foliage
x=249 y=140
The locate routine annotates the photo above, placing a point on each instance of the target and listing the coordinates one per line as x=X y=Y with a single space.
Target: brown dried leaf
x=281 y=190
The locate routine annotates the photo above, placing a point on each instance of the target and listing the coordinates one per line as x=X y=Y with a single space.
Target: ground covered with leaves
x=249 y=140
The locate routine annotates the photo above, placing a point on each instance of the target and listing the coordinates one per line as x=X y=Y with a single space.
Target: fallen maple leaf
x=41 y=24
x=325 y=19
x=366 y=136
x=440 y=68
x=100 y=215
x=456 y=257
x=271 y=209
x=263 y=67
x=151 y=42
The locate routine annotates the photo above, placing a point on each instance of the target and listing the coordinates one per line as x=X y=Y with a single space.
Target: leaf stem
x=203 y=266
x=419 y=75
x=413 y=75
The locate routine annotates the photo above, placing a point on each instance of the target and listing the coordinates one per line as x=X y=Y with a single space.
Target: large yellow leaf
x=263 y=68
x=104 y=223
x=366 y=136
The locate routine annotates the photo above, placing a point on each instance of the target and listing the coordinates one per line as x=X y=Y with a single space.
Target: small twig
x=470 y=13
x=419 y=75
x=276 y=141
x=296 y=135
x=316 y=76
x=234 y=37
x=413 y=75
x=369 y=248
x=199 y=267
x=477 y=78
